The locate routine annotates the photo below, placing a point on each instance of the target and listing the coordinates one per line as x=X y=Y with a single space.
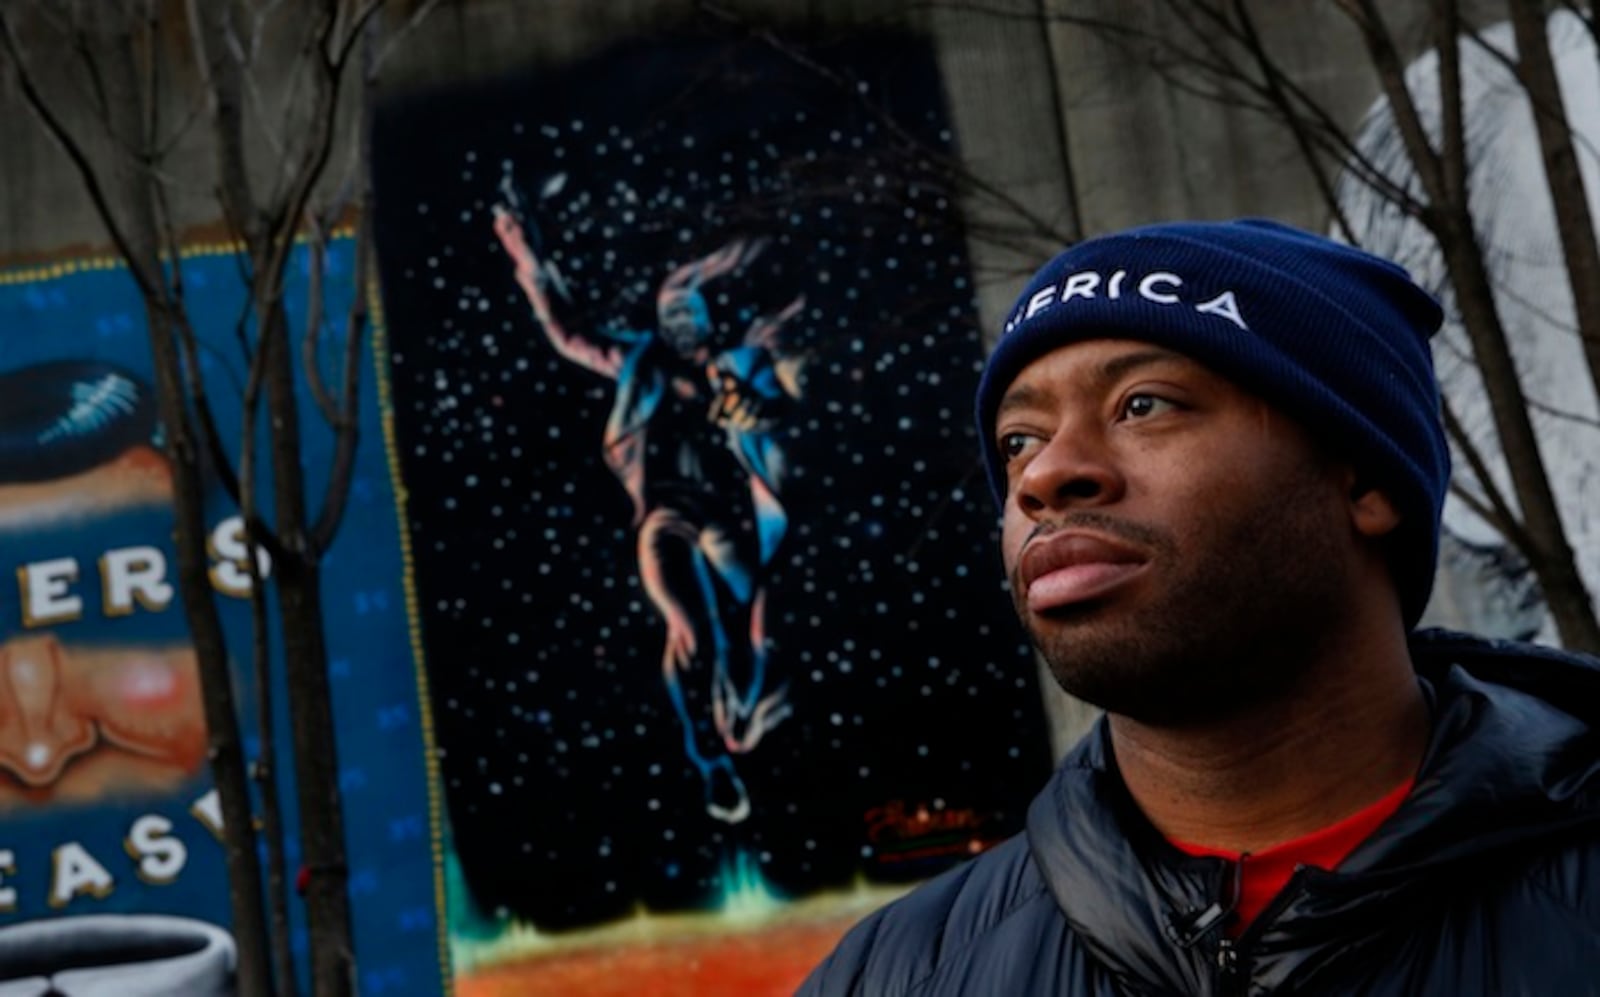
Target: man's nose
x=1074 y=469
x=39 y=730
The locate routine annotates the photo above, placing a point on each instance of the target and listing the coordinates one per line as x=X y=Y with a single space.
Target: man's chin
x=1156 y=686
x=1112 y=662
x=1150 y=701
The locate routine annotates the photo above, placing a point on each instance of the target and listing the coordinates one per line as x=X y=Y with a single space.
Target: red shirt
x=1265 y=873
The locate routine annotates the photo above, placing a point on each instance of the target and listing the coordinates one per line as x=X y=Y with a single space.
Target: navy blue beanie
x=1334 y=337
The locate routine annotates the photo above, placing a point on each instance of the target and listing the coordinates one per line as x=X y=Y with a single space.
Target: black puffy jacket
x=1486 y=881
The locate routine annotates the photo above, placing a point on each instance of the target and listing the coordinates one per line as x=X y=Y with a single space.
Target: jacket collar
x=1512 y=749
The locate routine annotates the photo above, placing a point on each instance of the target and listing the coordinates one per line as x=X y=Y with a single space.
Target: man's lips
x=1068 y=567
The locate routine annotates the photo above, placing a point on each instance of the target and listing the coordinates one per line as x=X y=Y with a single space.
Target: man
x=1219 y=456
x=692 y=436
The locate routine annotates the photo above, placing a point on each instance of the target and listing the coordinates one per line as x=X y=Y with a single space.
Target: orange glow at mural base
x=771 y=962
x=682 y=955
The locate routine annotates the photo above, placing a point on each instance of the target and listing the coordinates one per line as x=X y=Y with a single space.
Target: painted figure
x=691 y=438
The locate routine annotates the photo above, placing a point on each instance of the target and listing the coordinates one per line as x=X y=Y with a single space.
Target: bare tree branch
x=1563 y=174
x=284 y=216
x=949 y=165
x=91 y=72
x=347 y=422
x=244 y=53
x=1479 y=507
x=1452 y=141
x=1282 y=102
x=265 y=767
x=223 y=87
x=1391 y=73
x=1536 y=99
x=399 y=35
x=198 y=399
x=1275 y=94
x=152 y=83
x=1556 y=412
x=149 y=283
x=1498 y=513
x=257 y=536
x=354 y=34
x=317 y=247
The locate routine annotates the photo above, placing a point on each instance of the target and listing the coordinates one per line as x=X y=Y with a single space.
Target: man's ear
x=1372 y=512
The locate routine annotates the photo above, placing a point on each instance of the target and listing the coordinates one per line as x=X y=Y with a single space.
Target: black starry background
x=568 y=792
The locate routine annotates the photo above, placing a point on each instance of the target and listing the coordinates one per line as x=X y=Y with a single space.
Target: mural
x=683 y=348
x=111 y=871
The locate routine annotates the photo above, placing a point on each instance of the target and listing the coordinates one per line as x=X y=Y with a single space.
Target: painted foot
x=742 y=727
x=726 y=799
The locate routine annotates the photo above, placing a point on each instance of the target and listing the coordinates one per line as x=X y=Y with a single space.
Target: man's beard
x=1231 y=617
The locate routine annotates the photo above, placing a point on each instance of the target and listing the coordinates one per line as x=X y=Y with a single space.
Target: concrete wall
x=1045 y=110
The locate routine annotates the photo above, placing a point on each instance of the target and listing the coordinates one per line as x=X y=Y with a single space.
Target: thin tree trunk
x=136 y=185
x=316 y=771
x=266 y=766
x=1552 y=558
x=254 y=976
x=306 y=663
x=272 y=830
x=268 y=232
x=1574 y=222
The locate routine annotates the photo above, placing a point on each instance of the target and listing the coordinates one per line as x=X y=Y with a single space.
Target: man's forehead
x=1095 y=362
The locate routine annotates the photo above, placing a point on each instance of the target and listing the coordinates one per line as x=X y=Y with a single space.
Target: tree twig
x=149 y=284
x=318 y=249
x=1501 y=516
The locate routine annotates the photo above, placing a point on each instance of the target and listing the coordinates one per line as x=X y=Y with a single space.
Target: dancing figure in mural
x=691 y=438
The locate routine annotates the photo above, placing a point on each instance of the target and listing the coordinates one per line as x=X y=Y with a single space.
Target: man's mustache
x=1135 y=534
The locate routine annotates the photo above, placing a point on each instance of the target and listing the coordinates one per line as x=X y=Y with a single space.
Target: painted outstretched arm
x=604 y=358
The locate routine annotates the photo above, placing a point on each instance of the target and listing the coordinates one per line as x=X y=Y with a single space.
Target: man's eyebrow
x=1027 y=396
x=1022 y=396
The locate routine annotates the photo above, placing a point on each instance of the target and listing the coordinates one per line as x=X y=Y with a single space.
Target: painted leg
x=757 y=709
x=678 y=581
x=745 y=711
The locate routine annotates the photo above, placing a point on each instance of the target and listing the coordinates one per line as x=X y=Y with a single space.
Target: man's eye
x=1012 y=444
x=1140 y=406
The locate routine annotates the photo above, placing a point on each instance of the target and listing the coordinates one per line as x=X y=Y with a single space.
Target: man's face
x=1172 y=543
x=683 y=321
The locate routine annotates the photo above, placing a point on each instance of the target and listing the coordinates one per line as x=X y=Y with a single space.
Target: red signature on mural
x=900 y=831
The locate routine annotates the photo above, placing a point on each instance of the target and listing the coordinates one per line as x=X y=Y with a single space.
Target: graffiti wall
x=683 y=348
x=111 y=870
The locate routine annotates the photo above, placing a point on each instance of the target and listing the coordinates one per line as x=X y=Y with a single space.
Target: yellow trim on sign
x=36 y=272
x=380 y=362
